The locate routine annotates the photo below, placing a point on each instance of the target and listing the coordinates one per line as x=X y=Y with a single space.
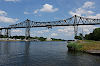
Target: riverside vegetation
x=91 y=42
x=31 y=38
x=84 y=46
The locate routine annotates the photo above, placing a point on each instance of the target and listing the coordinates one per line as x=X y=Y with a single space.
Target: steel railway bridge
x=74 y=21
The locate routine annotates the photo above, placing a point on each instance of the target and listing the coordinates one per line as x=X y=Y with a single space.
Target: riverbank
x=26 y=40
x=88 y=46
x=19 y=40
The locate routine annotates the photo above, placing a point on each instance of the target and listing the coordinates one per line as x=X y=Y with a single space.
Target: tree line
x=95 y=35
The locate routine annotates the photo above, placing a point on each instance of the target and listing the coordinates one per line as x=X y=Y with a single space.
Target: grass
x=84 y=45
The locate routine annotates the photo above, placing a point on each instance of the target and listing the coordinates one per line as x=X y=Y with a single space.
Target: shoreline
x=91 y=47
x=17 y=40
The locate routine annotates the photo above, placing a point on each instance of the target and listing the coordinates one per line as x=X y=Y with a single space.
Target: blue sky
x=15 y=11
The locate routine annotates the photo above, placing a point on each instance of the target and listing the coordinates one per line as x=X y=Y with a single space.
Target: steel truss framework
x=73 y=21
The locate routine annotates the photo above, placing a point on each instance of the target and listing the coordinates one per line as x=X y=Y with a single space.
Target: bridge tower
x=0 y=33
x=27 y=32
x=75 y=26
x=7 y=33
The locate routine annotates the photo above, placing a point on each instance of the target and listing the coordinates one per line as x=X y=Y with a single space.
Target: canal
x=48 y=53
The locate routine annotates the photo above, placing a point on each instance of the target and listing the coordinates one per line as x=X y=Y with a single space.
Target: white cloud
x=84 y=10
x=68 y=31
x=78 y=12
x=17 y=30
x=26 y=12
x=42 y=31
x=54 y=34
x=90 y=12
x=87 y=29
x=4 y=18
x=97 y=16
x=3 y=12
x=88 y=4
x=46 y=8
x=11 y=0
x=7 y=19
x=36 y=11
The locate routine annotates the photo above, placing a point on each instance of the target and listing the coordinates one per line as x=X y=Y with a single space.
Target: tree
x=94 y=36
x=80 y=37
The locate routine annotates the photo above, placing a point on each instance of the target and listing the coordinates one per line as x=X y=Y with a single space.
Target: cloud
x=88 y=4
x=69 y=30
x=26 y=12
x=7 y=19
x=46 y=8
x=3 y=12
x=54 y=34
x=84 y=10
x=11 y=0
x=17 y=30
x=42 y=31
x=97 y=16
x=87 y=29
x=36 y=11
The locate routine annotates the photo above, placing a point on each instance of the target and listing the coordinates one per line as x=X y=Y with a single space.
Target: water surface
x=20 y=53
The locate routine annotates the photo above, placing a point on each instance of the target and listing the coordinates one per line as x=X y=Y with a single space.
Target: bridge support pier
x=75 y=26
x=27 y=32
x=1 y=33
x=7 y=33
x=75 y=30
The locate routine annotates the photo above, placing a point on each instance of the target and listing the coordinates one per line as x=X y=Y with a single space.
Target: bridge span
x=73 y=21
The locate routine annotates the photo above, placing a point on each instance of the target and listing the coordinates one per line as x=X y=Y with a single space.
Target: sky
x=16 y=11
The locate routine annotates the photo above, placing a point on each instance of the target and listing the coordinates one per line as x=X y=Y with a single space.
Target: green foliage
x=84 y=45
x=42 y=39
x=75 y=46
x=18 y=37
x=80 y=37
x=94 y=36
x=23 y=37
x=53 y=39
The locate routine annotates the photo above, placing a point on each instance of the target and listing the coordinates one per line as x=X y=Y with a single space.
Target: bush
x=74 y=46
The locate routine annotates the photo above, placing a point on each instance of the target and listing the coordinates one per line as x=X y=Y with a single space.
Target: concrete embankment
x=92 y=47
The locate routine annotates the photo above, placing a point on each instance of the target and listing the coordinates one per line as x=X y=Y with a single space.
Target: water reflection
x=26 y=54
x=27 y=48
x=6 y=48
x=83 y=59
x=43 y=54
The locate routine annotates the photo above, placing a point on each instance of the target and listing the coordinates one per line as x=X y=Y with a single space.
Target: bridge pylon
x=27 y=32
x=7 y=33
x=76 y=30
x=75 y=26
x=0 y=33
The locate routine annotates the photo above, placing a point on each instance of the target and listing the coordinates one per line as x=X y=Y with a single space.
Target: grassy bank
x=84 y=46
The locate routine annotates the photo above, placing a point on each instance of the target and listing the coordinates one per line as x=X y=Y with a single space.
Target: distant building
x=48 y=39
